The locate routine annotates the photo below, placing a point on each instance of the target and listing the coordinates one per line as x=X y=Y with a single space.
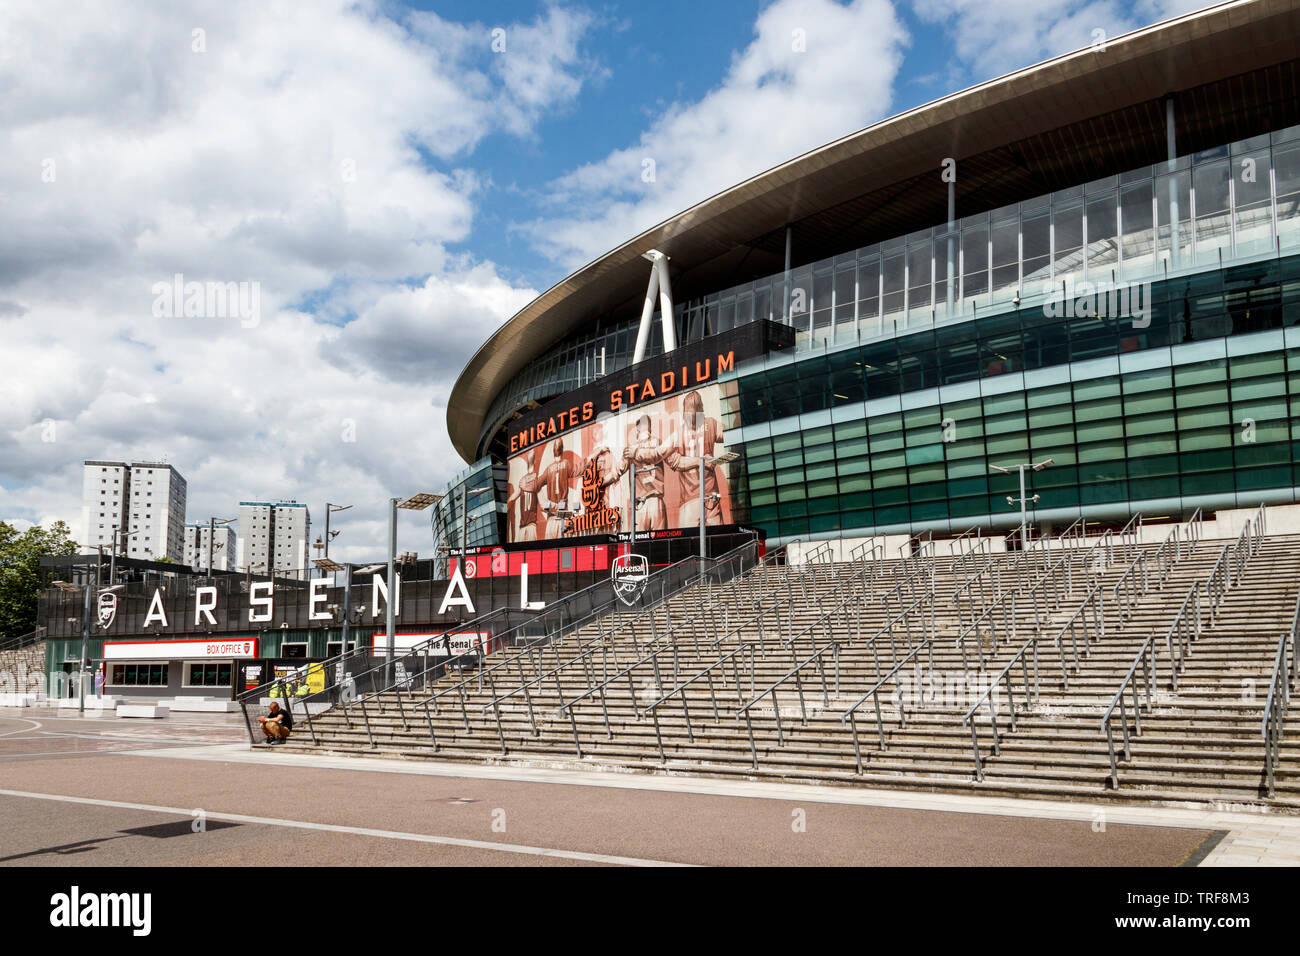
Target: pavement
x=190 y=791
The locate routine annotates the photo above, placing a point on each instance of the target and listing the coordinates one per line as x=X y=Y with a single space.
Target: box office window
x=139 y=675
x=208 y=674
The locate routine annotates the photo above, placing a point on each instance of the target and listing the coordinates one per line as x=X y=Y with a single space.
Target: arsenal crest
x=629 y=572
x=107 y=609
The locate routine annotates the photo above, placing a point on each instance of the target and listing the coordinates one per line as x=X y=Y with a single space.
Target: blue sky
x=393 y=189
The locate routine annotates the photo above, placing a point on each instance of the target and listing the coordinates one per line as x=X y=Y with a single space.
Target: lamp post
x=87 y=590
x=634 y=500
x=416 y=502
x=330 y=509
x=212 y=528
x=706 y=462
x=1024 y=520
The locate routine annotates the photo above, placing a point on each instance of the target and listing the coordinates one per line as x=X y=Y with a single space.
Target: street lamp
x=212 y=527
x=85 y=631
x=121 y=535
x=415 y=502
x=706 y=462
x=1011 y=500
x=330 y=536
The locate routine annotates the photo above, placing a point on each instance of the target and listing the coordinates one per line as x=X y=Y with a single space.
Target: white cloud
x=320 y=150
x=815 y=70
x=992 y=39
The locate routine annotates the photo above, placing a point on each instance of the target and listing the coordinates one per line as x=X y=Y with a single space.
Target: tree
x=20 y=571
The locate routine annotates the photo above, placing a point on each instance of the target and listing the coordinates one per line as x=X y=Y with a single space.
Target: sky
x=258 y=239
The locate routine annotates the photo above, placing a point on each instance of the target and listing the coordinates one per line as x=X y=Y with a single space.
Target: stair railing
x=1090 y=622
x=1285 y=664
x=850 y=716
x=661 y=642
x=1027 y=658
x=736 y=654
x=831 y=647
x=1166 y=556
x=1219 y=581
x=1130 y=533
x=1130 y=586
x=1005 y=603
x=1142 y=681
x=1194 y=529
x=975 y=595
x=385 y=676
x=665 y=641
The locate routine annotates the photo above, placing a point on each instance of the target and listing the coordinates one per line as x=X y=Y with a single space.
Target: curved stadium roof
x=1232 y=71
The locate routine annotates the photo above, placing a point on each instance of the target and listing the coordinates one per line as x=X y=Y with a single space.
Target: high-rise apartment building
x=274 y=536
x=224 y=552
x=140 y=506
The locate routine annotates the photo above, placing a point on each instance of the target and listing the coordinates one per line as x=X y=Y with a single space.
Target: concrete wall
x=1226 y=526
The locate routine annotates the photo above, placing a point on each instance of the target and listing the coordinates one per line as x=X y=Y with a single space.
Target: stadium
x=1092 y=261
x=955 y=455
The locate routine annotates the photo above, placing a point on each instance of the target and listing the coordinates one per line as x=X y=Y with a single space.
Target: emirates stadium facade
x=1093 y=261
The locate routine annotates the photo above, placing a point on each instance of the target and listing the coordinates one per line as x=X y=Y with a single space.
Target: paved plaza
x=189 y=791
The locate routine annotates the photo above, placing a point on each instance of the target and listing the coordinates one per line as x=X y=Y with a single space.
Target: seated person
x=277 y=724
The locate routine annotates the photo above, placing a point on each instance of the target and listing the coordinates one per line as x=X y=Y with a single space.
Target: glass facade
x=1208 y=424
x=479 y=490
x=1233 y=202
x=922 y=361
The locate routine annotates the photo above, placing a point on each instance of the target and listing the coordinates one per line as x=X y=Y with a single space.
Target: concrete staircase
x=1200 y=744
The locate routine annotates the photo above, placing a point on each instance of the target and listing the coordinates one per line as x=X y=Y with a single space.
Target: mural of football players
x=608 y=471
x=695 y=437
x=643 y=449
x=524 y=508
x=557 y=482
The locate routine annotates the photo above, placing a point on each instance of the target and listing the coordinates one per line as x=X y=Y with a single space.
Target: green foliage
x=20 y=571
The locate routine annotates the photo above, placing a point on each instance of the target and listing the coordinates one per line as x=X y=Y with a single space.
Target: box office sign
x=227 y=649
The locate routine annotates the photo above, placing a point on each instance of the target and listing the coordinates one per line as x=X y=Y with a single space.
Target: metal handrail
x=1182 y=632
x=994 y=582
x=1131 y=587
x=1077 y=618
x=604 y=638
x=1042 y=610
x=603 y=635
x=987 y=696
x=1146 y=658
x=474 y=624
x=1285 y=664
x=1195 y=530
x=960 y=642
x=658 y=639
x=652 y=657
x=1167 y=555
x=1219 y=582
x=1074 y=536
x=850 y=715
x=23 y=640
x=476 y=653
x=1130 y=533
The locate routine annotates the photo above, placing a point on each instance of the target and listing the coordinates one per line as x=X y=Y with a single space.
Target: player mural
x=581 y=482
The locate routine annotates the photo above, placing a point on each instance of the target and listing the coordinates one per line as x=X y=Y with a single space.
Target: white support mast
x=660 y=287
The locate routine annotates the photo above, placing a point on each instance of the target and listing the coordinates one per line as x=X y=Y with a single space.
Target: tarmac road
x=109 y=792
